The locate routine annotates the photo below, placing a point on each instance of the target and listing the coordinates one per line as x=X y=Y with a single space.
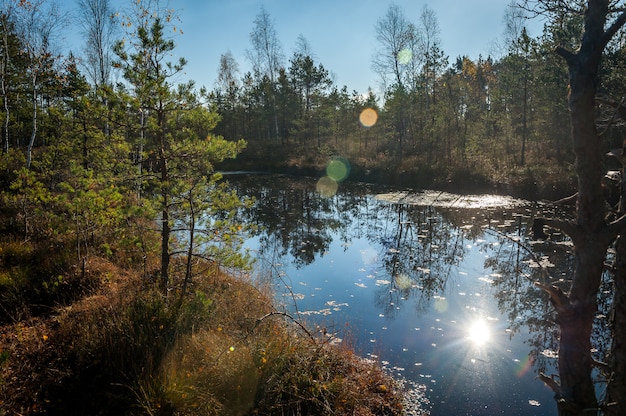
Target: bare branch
x=619 y=107
x=559 y=299
x=528 y=251
x=568 y=200
x=616 y=227
x=568 y=227
x=566 y=54
x=551 y=382
x=286 y=315
x=547 y=7
x=614 y=28
x=602 y=365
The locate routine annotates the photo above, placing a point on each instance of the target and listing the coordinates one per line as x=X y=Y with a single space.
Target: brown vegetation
x=124 y=349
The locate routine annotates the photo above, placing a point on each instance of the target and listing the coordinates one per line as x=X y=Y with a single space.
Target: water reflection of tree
x=418 y=249
x=518 y=263
x=526 y=307
x=292 y=218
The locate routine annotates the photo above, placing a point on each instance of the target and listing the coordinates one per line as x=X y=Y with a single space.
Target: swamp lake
x=437 y=287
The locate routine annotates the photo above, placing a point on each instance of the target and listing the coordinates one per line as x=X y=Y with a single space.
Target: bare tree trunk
x=575 y=312
x=3 y=83
x=4 y=69
x=190 y=247
x=524 y=119
x=165 y=211
x=33 y=134
x=6 y=114
x=575 y=318
x=575 y=361
x=142 y=138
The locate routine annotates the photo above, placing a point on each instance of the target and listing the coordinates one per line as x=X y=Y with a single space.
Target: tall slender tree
x=38 y=26
x=310 y=83
x=145 y=66
x=9 y=47
x=227 y=94
x=396 y=38
x=98 y=22
x=435 y=60
x=266 y=57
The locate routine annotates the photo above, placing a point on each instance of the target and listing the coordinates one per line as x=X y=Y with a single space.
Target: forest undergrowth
x=119 y=347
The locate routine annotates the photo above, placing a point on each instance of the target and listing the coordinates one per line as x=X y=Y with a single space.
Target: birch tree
x=38 y=24
x=98 y=23
x=9 y=48
x=397 y=40
x=266 y=56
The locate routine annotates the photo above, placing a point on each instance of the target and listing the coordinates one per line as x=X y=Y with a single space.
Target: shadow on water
x=437 y=286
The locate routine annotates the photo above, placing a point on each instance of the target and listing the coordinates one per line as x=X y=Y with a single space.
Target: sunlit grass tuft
x=205 y=374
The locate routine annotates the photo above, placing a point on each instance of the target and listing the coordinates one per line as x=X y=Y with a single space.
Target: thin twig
x=528 y=250
x=286 y=315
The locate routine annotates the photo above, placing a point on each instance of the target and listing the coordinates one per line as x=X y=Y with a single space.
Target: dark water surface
x=437 y=287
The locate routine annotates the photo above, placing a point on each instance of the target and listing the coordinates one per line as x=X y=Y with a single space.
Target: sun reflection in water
x=479 y=332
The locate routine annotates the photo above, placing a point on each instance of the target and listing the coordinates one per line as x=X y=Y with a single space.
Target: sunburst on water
x=479 y=332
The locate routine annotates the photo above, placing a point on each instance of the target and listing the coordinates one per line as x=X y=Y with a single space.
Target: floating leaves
x=332 y=306
x=550 y=353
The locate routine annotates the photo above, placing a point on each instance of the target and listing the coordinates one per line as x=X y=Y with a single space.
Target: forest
x=120 y=242
x=497 y=123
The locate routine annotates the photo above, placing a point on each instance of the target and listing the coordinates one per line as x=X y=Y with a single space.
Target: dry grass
x=126 y=350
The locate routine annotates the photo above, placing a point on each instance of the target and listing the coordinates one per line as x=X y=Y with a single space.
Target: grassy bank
x=533 y=182
x=118 y=347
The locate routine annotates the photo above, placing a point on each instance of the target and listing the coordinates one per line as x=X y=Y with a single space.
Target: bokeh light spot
x=441 y=304
x=405 y=56
x=338 y=169
x=368 y=117
x=327 y=187
x=403 y=281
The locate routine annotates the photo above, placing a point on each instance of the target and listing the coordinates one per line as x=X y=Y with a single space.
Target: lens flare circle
x=368 y=117
x=441 y=304
x=403 y=281
x=338 y=169
x=405 y=56
x=327 y=187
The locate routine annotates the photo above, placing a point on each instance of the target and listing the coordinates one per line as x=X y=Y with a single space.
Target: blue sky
x=340 y=32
